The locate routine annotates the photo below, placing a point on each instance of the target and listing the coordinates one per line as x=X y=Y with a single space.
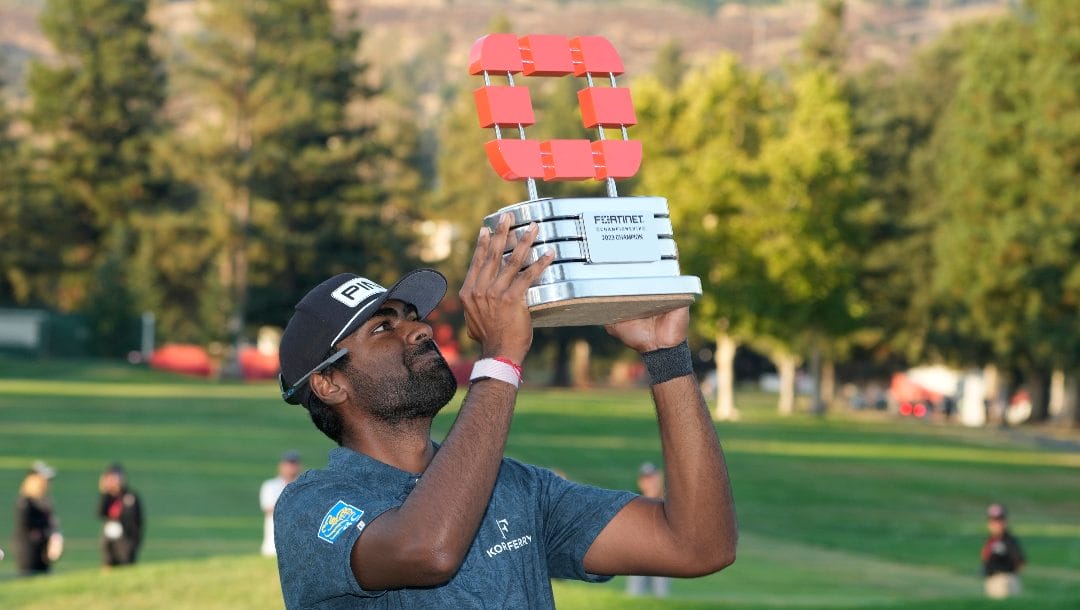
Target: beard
x=426 y=388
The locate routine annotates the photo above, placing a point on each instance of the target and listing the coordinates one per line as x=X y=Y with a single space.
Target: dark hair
x=325 y=418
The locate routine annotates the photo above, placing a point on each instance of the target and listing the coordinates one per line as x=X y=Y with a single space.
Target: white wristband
x=490 y=368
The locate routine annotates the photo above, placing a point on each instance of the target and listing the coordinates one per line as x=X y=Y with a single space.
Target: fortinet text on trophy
x=615 y=257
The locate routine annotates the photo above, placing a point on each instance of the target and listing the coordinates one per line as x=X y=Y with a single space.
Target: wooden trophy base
x=589 y=311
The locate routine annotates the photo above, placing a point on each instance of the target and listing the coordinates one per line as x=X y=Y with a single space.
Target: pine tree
x=297 y=183
x=96 y=112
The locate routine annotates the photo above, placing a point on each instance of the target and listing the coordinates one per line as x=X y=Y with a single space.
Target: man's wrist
x=502 y=369
x=668 y=363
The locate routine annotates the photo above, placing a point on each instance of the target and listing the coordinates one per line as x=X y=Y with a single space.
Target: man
x=650 y=482
x=1002 y=557
x=396 y=520
x=122 y=512
x=288 y=469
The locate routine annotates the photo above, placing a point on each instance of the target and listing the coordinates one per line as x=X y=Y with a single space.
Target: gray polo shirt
x=537 y=526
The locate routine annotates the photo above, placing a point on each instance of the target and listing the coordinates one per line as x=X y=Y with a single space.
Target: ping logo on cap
x=355 y=291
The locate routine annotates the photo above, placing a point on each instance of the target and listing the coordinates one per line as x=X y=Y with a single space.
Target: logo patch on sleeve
x=338 y=519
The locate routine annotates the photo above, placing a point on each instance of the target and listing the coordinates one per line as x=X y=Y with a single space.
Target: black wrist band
x=667 y=363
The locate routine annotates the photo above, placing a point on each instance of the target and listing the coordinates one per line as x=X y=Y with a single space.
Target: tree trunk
x=561 y=376
x=579 y=363
x=1037 y=384
x=1056 y=404
x=990 y=398
x=785 y=367
x=725 y=377
x=828 y=382
x=817 y=405
x=1070 y=413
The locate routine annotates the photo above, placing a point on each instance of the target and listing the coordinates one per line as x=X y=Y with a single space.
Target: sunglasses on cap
x=288 y=393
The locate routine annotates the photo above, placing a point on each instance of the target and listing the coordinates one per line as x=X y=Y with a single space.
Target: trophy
x=615 y=257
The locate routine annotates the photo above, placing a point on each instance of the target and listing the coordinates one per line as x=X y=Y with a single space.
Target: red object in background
x=258 y=365
x=905 y=408
x=919 y=410
x=182 y=358
x=903 y=389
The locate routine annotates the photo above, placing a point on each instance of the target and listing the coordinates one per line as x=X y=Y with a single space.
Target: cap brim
x=422 y=288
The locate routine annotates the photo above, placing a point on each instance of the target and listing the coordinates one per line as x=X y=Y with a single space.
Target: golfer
x=398 y=521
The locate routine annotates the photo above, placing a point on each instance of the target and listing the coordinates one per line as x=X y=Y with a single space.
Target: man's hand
x=667 y=329
x=493 y=293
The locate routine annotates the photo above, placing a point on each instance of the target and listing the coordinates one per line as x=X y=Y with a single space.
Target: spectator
x=38 y=542
x=1002 y=557
x=288 y=469
x=122 y=512
x=651 y=483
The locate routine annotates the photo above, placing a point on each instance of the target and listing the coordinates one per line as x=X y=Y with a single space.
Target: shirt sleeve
x=267 y=497
x=574 y=515
x=315 y=528
x=1016 y=553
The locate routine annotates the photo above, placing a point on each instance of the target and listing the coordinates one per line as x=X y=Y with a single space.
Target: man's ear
x=328 y=387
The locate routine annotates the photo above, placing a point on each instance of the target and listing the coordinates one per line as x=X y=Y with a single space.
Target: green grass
x=836 y=512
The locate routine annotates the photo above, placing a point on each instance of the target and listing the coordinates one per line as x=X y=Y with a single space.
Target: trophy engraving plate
x=620 y=236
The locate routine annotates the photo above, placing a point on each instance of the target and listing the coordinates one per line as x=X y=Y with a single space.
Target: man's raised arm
x=692 y=531
x=424 y=541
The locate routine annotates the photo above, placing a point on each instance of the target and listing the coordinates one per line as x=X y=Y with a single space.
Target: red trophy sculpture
x=615 y=257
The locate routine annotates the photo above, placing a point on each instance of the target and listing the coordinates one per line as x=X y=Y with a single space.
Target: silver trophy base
x=591 y=281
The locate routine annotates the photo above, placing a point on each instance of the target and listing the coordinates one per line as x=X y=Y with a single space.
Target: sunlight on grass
x=844 y=511
x=52 y=387
x=885 y=451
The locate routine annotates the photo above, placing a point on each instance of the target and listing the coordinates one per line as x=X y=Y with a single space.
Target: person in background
x=651 y=483
x=122 y=512
x=38 y=542
x=1002 y=557
x=288 y=469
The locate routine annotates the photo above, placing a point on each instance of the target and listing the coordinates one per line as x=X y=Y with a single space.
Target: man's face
x=651 y=485
x=113 y=482
x=395 y=368
x=996 y=526
x=289 y=469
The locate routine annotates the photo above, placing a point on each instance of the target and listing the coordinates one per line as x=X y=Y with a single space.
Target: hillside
x=398 y=30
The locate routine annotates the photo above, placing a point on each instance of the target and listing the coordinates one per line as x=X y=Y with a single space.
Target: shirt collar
x=343 y=459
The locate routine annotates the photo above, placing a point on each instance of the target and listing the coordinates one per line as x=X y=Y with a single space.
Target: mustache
x=423 y=348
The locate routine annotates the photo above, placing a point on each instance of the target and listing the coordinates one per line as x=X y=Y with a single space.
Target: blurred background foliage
x=838 y=212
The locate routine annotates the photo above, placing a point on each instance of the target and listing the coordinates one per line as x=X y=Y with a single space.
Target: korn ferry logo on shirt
x=337 y=520
x=507 y=544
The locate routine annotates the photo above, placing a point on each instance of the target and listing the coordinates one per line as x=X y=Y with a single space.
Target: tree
x=702 y=143
x=297 y=181
x=14 y=283
x=1004 y=172
x=894 y=117
x=1055 y=148
x=808 y=226
x=670 y=66
x=95 y=114
x=824 y=44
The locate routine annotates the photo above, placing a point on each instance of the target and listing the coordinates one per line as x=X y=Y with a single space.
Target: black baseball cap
x=335 y=309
